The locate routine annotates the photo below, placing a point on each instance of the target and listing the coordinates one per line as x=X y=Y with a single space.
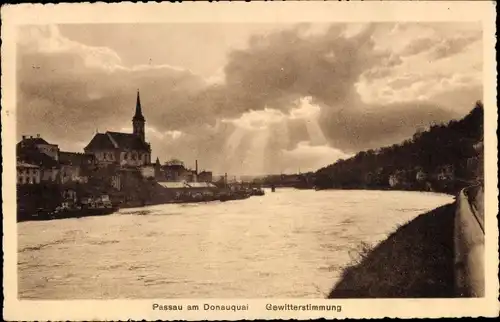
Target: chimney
x=31 y=136
x=24 y=137
x=196 y=167
x=38 y=135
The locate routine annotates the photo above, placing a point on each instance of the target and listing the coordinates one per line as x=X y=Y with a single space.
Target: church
x=125 y=149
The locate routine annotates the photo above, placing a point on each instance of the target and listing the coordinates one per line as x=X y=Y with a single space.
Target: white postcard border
x=13 y=16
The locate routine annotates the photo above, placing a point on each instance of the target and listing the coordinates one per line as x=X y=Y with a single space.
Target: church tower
x=138 y=122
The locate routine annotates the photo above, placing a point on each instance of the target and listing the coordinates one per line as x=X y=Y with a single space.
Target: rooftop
x=21 y=164
x=117 y=140
x=186 y=185
x=36 y=157
x=72 y=158
x=30 y=141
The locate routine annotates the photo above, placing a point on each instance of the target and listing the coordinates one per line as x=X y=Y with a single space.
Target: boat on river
x=45 y=214
x=258 y=192
x=68 y=209
x=237 y=195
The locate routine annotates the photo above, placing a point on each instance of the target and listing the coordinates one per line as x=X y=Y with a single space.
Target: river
x=287 y=244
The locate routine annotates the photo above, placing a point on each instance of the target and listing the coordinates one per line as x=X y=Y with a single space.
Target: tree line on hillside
x=445 y=158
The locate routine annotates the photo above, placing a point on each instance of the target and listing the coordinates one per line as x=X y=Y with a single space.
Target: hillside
x=444 y=158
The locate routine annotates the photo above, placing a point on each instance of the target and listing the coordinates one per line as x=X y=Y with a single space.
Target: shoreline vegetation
x=418 y=259
x=445 y=158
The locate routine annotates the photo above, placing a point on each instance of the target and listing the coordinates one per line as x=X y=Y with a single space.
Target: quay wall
x=469 y=248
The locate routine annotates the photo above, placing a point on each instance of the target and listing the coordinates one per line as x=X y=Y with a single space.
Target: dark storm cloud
x=280 y=67
x=327 y=67
x=418 y=46
x=74 y=89
x=439 y=48
x=78 y=98
x=352 y=130
x=450 y=47
x=274 y=70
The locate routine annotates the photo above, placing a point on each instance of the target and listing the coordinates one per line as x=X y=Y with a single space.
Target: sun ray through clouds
x=309 y=113
x=256 y=155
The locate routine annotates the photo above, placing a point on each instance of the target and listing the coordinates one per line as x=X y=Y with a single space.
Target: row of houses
x=402 y=177
x=39 y=161
x=108 y=160
x=175 y=171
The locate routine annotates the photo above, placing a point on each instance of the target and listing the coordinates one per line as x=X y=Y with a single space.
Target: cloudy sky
x=247 y=99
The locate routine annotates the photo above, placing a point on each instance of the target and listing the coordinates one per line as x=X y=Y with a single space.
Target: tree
x=174 y=161
x=443 y=145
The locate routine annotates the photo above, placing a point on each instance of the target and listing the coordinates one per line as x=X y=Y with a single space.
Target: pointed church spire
x=138 y=109
x=138 y=120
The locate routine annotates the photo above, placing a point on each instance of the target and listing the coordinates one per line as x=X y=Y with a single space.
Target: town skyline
x=249 y=107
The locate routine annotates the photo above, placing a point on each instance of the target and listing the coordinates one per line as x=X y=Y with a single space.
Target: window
x=125 y=157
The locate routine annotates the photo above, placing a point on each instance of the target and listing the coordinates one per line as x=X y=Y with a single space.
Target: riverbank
x=130 y=203
x=450 y=192
x=416 y=261
x=142 y=253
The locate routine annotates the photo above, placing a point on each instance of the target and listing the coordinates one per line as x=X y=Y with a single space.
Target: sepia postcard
x=241 y=161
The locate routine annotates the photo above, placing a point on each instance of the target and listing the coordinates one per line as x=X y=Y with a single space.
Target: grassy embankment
x=416 y=261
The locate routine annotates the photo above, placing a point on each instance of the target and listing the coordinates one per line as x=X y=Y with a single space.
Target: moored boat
x=258 y=192
x=234 y=196
x=44 y=214
x=68 y=209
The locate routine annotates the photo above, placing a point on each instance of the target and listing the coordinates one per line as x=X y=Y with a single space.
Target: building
x=53 y=165
x=30 y=143
x=446 y=172
x=182 y=187
x=205 y=176
x=38 y=144
x=77 y=159
x=28 y=173
x=48 y=166
x=393 y=180
x=116 y=182
x=398 y=179
x=74 y=167
x=421 y=175
x=175 y=171
x=125 y=149
x=148 y=171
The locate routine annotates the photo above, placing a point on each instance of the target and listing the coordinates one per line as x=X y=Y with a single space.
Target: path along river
x=291 y=243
